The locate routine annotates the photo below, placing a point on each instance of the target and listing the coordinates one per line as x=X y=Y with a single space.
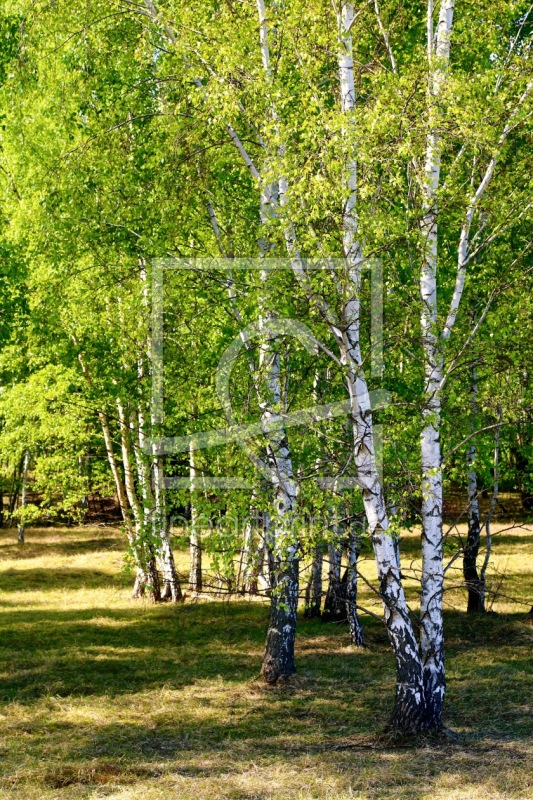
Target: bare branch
x=385 y=38
x=464 y=240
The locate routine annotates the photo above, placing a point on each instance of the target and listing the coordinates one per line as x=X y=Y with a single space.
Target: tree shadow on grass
x=104 y=651
x=174 y=690
x=62 y=578
x=67 y=544
x=505 y=542
x=126 y=650
x=330 y=716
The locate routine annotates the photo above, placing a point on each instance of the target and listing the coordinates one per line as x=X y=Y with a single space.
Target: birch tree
x=434 y=339
x=328 y=137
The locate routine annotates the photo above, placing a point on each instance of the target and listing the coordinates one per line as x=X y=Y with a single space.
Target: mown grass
x=106 y=697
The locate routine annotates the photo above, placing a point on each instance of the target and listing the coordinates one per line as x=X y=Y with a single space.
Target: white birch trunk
x=122 y=495
x=152 y=480
x=409 y=708
x=261 y=575
x=278 y=661
x=431 y=620
x=172 y=588
x=432 y=571
x=129 y=504
x=195 y=541
x=313 y=594
x=246 y=567
x=24 y=494
x=112 y=461
x=147 y=578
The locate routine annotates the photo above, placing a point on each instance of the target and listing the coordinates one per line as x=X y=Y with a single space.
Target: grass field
x=105 y=697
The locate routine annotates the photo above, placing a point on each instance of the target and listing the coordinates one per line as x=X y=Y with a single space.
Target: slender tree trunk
x=253 y=552
x=24 y=493
x=431 y=619
x=14 y=493
x=153 y=477
x=313 y=593
x=117 y=477
x=259 y=581
x=147 y=580
x=488 y=521
x=195 y=542
x=171 y=583
x=409 y=712
x=267 y=549
x=470 y=572
x=432 y=643
x=152 y=481
x=313 y=597
x=247 y=555
x=356 y=629
x=126 y=496
x=335 y=602
x=82 y=469
x=278 y=661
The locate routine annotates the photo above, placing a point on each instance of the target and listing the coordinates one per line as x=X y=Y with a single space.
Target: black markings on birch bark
x=356 y=629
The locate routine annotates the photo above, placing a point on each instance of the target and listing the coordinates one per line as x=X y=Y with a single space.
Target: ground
x=103 y=696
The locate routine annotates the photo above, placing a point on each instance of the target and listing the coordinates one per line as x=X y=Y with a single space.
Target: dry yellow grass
x=106 y=697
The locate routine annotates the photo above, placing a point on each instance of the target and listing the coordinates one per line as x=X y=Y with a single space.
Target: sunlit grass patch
x=103 y=696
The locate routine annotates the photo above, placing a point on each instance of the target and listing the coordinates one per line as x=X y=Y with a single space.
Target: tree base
x=412 y=715
x=272 y=672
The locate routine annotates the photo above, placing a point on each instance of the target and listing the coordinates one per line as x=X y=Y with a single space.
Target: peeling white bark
x=279 y=651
